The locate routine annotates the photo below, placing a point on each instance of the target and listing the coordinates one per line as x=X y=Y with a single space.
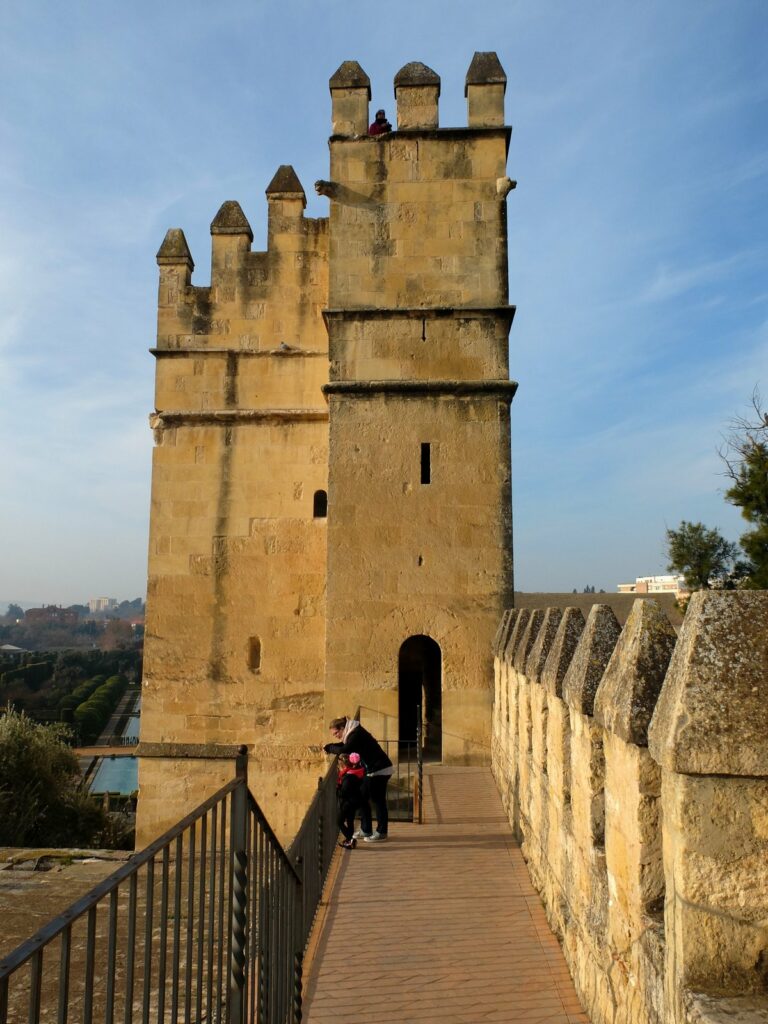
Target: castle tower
x=234 y=649
x=419 y=528
x=413 y=564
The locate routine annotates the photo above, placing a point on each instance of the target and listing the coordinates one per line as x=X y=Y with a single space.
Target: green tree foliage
x=93 y=714
x=32 y=675
x=129 y=609
x=40 y=802
x=703 y=556
x=117 y=635
x=745 y=455
x=82 y=636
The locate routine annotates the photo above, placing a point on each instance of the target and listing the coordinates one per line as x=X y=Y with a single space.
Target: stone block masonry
x=633 y=767
x=357 y=367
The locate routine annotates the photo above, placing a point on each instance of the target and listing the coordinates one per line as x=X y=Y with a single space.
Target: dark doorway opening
x=420 y=690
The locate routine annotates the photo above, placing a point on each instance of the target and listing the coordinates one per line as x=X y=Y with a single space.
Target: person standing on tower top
x=381 y=125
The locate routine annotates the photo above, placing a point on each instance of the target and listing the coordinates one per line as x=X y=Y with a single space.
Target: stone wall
x=235 y=633
x=633 y=765
x=418 y=323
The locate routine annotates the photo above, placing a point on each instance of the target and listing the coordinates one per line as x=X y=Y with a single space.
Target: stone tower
x=419 y=528
x=386 y=324
x=234 y=649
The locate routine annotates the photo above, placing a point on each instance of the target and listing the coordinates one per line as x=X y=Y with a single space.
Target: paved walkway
x=440 y=925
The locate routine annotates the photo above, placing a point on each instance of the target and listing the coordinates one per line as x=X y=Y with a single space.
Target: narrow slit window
x=254 y=654
x=426 y=462
x=320 y=505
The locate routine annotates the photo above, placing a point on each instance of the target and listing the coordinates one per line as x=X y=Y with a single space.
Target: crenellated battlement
x=256 y=301
x=258 y=304
x=634 y=768
x=417 y=94
x=419 y=213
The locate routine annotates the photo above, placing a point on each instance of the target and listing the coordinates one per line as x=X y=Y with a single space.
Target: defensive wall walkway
x=440 y=924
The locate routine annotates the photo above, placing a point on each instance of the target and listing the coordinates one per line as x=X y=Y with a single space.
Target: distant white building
x=655 y=585
x=11 y=649
x=102 y=604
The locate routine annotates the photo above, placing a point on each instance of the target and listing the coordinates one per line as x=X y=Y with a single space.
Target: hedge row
x=93 y=714
x=81 y=693
x=32 y=676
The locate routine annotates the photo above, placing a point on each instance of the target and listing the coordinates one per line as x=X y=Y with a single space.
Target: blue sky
x=638 y=253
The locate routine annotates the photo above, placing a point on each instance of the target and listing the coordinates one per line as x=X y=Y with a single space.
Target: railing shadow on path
x=457 y=931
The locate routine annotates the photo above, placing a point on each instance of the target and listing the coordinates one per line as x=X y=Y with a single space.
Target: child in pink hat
x=349 y=796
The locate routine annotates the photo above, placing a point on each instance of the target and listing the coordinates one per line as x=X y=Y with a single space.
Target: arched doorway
x=420 y=686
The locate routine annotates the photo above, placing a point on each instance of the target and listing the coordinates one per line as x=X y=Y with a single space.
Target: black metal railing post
x=298 y=963
x=419 y=767
x=239 y=920
x=320 y=836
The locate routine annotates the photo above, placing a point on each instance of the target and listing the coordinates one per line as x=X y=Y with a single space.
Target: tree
x=40 y=802
x=703 y=556
x=117 y=634
x=15 y=611
x=745 y=455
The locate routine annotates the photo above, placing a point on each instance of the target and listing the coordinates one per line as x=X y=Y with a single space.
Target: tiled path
x=441 y=924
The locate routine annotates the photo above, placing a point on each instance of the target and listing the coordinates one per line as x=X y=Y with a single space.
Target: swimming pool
x=116 y=775
x=132 y=728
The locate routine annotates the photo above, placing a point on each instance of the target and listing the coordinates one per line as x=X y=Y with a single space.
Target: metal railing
x=208 y=923
x=116 y=740
x=419 y=815
x=405 y=792
x=313 y=846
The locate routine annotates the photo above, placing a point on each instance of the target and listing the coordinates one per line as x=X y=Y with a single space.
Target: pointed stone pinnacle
x=600 y=636
x=175 y=249
x=631 y=684
x=485 y=69
x=417 y=74
x=350 y=75
x=286 y=185
x=230 y=220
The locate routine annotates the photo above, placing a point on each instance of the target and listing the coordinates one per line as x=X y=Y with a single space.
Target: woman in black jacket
x=351 y=738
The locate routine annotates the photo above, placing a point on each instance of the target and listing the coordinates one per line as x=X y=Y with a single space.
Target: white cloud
x=636 y=246
x=670 y=283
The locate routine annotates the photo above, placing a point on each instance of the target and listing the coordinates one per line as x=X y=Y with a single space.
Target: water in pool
x=132 y=728
x=116 y=775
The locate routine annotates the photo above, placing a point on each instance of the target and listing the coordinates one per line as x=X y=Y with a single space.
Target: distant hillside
x=620 y=603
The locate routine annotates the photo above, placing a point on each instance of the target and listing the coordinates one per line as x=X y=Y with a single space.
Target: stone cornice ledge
x=286 y=353
x=198 y=751
x=504 y=389
x=184 y=417
x=418 y=313
x=503 y=130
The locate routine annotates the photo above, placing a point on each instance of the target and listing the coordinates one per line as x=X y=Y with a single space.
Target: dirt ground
x=620 y=603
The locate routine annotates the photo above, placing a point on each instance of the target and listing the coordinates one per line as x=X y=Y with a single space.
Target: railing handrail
x=307 y=819
x=17 y=957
